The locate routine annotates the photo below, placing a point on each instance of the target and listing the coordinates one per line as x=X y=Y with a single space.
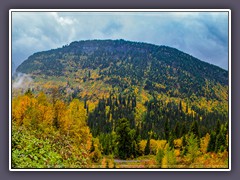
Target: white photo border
x=119 y=10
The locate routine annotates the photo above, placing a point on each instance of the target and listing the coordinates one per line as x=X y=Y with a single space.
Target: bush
x=96 y=156
x=169 y=160
x=159 y=157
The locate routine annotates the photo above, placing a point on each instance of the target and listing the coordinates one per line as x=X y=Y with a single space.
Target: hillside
x=94 y=103
x=121 y=64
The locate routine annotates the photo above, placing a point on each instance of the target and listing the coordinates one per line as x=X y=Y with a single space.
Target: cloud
x=201 y=34
x=112 y=27
x=22 y=81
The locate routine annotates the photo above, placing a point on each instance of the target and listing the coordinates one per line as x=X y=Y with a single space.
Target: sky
x=203 y=35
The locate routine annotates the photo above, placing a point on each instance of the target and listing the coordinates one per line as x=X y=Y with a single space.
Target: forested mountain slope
x=123 y=64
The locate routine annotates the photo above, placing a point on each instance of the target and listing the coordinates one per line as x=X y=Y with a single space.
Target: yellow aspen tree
x=19 y=107
x=74 y=123
x=204 y=143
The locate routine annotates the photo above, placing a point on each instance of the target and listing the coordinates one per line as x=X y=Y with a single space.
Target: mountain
x=129 y=93
x=123 y=64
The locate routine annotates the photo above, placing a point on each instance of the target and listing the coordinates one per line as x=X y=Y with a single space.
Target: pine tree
x=89 y=74
x=177 y=130
x=184 y=144
x=166 y=129
x=220 y=142
x=183 y=130
x=195 y=129
x=171 y=140
x=124 y=141
x=147 y=147
x=180 y=106
x=212 y=141
x=87 y=109
x=134 y=149
x=218 y=127
x=85 y=102
x=159 y=157
x=192 y=147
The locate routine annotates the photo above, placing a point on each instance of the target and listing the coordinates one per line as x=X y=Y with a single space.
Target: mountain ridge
x=159 y=68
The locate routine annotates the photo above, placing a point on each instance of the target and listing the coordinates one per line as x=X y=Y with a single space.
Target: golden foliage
x=140 y=110
x=74 y=122
x=20 y=105
x=142 y=145
x=177 y=143
x=204 y=143
x=169 y=160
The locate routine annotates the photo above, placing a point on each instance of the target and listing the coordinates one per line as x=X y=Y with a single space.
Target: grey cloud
x=22 y=81
x=112 y=27
x=203 y=35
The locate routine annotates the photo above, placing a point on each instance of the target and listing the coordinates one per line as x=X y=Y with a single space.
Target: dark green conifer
x=147 y=147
